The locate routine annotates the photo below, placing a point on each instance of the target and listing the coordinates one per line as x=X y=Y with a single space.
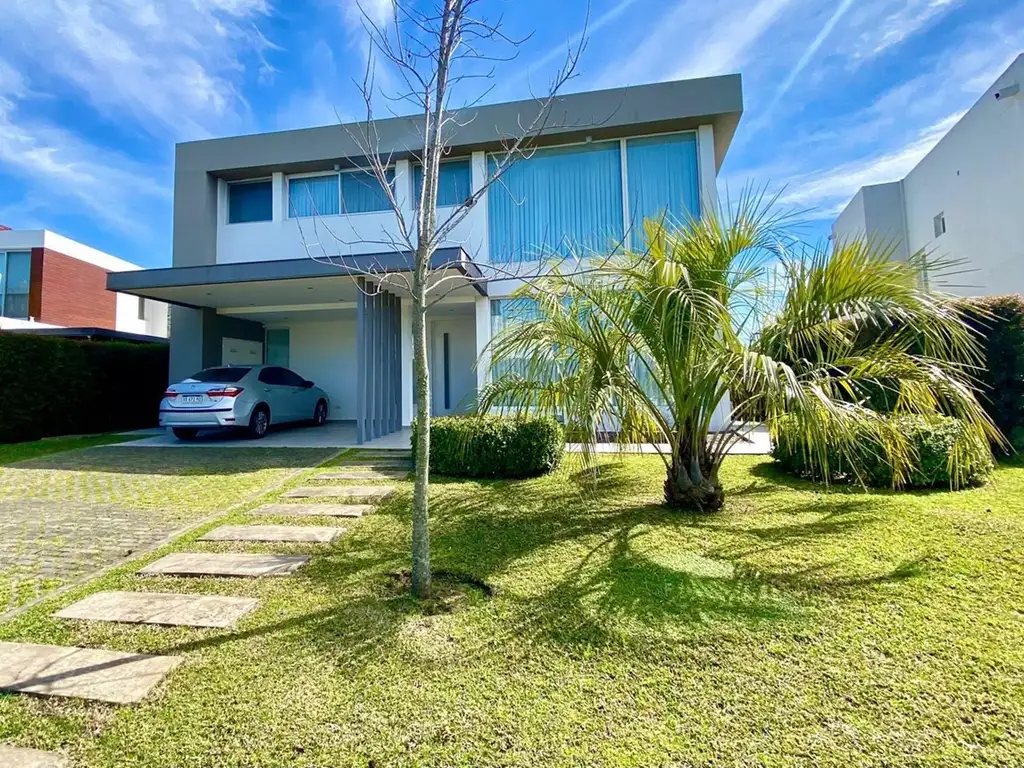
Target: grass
x=14 y=452
x=64 y=516
x=796 y=627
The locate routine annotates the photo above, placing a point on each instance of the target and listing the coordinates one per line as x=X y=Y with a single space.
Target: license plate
x=192 y=399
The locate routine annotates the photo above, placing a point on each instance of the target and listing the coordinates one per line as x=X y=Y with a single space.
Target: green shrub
x=940 y=443
x=999 y=321
x=52 y=386
x=493 y=446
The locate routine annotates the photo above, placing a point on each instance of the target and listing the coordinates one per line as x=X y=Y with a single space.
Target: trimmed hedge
x=935 y=439
x=52 y=386
x=493 y=446
x=999 y=321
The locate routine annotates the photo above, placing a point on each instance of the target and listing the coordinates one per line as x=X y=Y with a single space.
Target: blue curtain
x=662 y=179
x=250 y=201
x=314 y=196
x=362 y=193
x=454 y=182
x=557 y=201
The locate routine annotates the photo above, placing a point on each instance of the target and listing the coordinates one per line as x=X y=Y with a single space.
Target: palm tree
x=648 y=344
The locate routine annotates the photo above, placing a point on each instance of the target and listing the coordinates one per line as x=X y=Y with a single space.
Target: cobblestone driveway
x=64 y=516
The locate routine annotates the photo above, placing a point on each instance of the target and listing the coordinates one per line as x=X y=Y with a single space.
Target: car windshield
x=220 y=375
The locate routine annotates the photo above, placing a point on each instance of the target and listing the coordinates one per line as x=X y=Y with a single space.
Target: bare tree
x=434 y=52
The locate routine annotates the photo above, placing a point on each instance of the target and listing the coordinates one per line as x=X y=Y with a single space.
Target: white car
x=249 y=397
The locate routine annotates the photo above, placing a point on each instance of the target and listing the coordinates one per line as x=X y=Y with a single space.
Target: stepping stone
x=365 y=464
x=396 y=453
x=364 y=473
x=229 y=564
x=19 y=757
x=307 y=533
x=161 y=608
x=82 y=673
x=341 y=492
x=315 y=510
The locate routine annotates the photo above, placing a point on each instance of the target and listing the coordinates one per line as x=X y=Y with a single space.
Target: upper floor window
x=939 y=224
x=250 y=201
x=454 y=182
x=571 y=200
x=559 y=201
x=142 y=308
x=15 y=273
x=356 y=191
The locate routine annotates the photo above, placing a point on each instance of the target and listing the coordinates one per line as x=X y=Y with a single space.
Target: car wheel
x=320 y=413
x=185 y=433
x=259 y=422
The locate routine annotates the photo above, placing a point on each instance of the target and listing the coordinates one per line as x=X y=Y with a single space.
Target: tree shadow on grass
x=575 y=570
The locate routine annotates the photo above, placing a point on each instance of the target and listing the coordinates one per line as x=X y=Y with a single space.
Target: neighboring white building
x=963 y=201
x=49 y=281
x=265 y=226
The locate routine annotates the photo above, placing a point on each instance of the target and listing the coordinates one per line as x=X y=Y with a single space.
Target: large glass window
x=362 y=193
x=454 y=182
x=337 y=193
x=314 y=196
x=15 y=274
x=558 y=201
x=662 y=179
x=250 y=201
x=278 y=347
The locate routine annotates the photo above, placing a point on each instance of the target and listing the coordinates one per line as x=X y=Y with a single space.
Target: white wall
x=975 y=177
x=324 y=351
x=127 y=316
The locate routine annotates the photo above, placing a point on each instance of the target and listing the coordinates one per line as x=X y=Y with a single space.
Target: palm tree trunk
x=689 y=484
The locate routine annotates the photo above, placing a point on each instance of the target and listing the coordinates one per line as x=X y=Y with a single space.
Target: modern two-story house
x=273 y=234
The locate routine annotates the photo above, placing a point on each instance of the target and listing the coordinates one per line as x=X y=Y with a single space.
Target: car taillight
x=225 y=392
x=170 y=393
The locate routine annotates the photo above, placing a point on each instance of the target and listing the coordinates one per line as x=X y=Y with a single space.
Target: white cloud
x=883 y=24
x=58 y=166
x=829 y=191
x=695 y=39
x=171 y=66
x=379 y=12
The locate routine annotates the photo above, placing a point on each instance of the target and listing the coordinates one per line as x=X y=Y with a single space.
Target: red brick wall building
x=69 y=292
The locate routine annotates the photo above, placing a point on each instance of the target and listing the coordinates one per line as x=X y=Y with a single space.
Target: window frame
x=5 y=260
x=413 y=166
x=366 y=171
x=227 y=199
x=623 y=169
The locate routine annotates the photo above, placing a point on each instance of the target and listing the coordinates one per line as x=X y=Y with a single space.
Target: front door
x=453 y=353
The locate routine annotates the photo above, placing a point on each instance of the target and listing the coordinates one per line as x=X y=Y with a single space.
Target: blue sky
x=94 y=93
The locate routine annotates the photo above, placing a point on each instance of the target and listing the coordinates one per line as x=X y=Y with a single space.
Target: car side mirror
x=308 y=384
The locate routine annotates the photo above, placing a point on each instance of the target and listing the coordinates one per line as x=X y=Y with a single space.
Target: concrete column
x=706 y=174
x=406 y=352
x=483 y=338
x=280 y=197
x=479 y=171
x=361 y=361
x=373 y=393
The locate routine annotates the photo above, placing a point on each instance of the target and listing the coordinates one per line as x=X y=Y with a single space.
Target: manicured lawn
x=12 y=452
x=794 y=628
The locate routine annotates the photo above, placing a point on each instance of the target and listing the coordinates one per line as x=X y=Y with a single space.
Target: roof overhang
x=607 y=114
x=314 y=283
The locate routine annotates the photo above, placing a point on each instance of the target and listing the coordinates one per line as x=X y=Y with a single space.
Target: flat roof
x=606 y=114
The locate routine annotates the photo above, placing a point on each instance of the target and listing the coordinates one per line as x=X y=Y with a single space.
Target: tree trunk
x=690 y=484
x=421 y=385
